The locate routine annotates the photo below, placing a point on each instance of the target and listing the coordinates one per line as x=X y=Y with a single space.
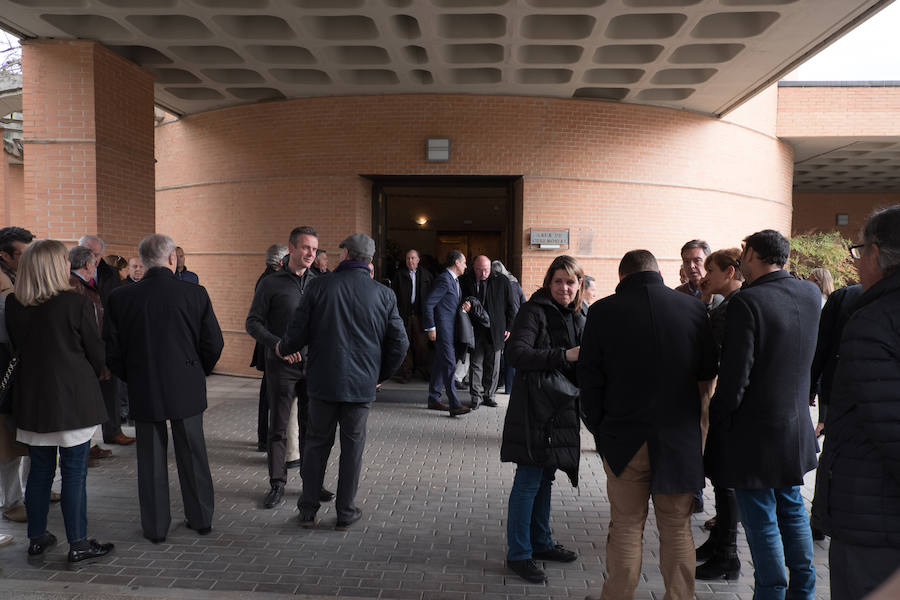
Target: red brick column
x=88 y=132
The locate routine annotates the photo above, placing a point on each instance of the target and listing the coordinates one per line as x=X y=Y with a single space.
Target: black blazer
x=107 y=280
x=60 y=358
x=498 y=302
x=760 y=433
x=163 y=339
x=402 y=286
x=642 y=353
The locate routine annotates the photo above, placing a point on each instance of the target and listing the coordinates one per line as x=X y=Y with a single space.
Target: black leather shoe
x=201 y=530
x=325 y=495
x=155 y=540
x=707 y=548
x=292 y=464
x=527 y=570
x=717 y=568
x=459 y=410
x=490 y=403
x=307 y=518
x=38 y=545
x=342 y=524
x=556 y=553
x=93 y=550
x=474 y=405
x=274 y=497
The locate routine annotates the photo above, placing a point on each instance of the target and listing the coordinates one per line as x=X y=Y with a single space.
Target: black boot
x=708 y=548
x=721 y=566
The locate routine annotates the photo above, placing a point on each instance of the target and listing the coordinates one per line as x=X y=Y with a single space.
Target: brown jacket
x=80 y=286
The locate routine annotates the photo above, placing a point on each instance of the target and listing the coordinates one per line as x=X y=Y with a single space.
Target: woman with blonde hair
x=54 y=332
x=822 y=278
x=541 y=433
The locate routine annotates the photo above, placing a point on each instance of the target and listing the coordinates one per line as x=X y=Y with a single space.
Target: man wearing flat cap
x=356 y=339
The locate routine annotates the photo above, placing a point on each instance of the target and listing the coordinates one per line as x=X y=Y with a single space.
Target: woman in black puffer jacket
x=541 y=431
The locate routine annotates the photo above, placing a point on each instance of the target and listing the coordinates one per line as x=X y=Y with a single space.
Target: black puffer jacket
x=858 y=482
x=539 y=431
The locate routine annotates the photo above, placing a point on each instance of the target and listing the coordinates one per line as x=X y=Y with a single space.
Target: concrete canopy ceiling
x=705 y=56
x=840 y=164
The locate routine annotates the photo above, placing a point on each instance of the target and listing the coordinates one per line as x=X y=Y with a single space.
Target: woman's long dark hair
x=570 y=266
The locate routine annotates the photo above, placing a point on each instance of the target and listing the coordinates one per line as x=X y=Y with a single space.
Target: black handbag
x=6 y=384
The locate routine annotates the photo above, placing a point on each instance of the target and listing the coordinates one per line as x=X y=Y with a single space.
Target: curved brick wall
x=618 y=176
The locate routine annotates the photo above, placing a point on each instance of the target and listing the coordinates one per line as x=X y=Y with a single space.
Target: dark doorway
x=436 y=214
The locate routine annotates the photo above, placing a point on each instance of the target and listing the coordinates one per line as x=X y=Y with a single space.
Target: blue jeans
x=528 y=518
x=778 y=533
x=73 y=466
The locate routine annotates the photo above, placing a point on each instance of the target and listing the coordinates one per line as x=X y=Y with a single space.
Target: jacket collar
x=157 y=272
x=886 y=286
x=770 y=277
x=639 y=280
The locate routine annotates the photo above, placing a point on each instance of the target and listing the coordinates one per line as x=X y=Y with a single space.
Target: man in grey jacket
x=356 y=339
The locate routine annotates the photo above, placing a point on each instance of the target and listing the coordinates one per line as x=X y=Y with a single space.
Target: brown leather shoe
x=121 y=439
x=438 y=406
x=16 y=514
x=460 y=410
x=98 y=452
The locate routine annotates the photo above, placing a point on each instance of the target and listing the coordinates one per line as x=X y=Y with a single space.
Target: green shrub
x=828 y=250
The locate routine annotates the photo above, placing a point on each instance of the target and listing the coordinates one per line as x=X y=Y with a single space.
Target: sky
x=871 y=52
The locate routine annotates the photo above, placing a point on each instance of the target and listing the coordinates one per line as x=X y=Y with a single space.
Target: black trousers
x=153 y=474
x=324 y=418
x=283 y=383
x=112 y=398
x=262 y=416
x=857 y=570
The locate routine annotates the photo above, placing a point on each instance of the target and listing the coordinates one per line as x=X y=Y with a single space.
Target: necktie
x=412 y=277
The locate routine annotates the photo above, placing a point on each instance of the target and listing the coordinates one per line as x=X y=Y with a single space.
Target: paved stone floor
x=433 y=494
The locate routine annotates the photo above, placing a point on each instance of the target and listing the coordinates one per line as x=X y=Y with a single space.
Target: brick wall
x=618 y=176
x=815 y=211
x=12 y=202
x=838 y=111
x=88 y=133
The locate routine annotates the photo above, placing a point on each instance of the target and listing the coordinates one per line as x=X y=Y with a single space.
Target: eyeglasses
x=856 y=250
x=737 y=263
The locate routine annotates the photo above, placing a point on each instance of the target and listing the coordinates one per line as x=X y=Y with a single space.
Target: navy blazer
x=440 y=306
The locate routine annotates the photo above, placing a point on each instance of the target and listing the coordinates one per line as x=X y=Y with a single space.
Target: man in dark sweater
x=857 y=498
x=274 y=303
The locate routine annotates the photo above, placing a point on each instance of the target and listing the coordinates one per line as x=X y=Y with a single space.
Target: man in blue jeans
x=761 y=440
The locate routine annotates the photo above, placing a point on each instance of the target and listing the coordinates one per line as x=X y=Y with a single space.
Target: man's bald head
x=481 y=267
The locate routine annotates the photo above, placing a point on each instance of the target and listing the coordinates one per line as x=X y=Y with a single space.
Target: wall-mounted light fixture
x=437 y=149
x=422 y=220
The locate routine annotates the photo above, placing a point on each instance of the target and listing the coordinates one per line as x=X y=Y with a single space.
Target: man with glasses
x=761 y=440
x=857 y=498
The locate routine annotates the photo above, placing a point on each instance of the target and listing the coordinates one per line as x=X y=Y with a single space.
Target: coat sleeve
x=591 y=375
x=825 y=341
x=440 y=289
x=115 y=350
x=395 y=343
x=520 y=350
x=510 y=305
x=477 y=314
x=297 y=335
x=91 y=342
x=738 y=350
x=211 y=342
x=256 y=317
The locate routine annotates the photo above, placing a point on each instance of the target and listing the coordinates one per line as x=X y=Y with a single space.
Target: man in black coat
x=412 y=285
x=163 y=339
x=495 y=295
x=857 y=498
x=761 y=440
x=356 y=339
x=647 y=359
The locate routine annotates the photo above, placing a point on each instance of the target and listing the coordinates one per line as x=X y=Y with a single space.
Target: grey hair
x=155 y=250
x=92 y=238
x=883 y=228
x=79 y=256
x=498 y=268
x=275 y=253
x=696 y=244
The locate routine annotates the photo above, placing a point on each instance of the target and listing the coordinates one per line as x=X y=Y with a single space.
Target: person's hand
x=432 y=335
x=466 y=306
x=105 y=374
x=572 y=353
x=820 y=428
x=505 y=335
x=294 y=358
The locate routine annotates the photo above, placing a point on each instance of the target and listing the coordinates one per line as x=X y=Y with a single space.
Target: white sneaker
x=6 y=540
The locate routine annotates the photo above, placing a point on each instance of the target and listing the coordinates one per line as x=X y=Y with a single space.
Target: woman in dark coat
x=56 y=398
x=719 y=552
x=541 y=431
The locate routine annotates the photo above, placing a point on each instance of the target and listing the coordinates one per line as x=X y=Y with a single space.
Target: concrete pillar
x=88 y=133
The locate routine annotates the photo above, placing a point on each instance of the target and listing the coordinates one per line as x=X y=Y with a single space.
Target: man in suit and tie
x=439 y=316
x=163 y=339
x=412 y=286
x=495 y=294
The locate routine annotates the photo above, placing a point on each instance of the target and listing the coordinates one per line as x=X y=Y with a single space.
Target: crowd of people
x=712 y=379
